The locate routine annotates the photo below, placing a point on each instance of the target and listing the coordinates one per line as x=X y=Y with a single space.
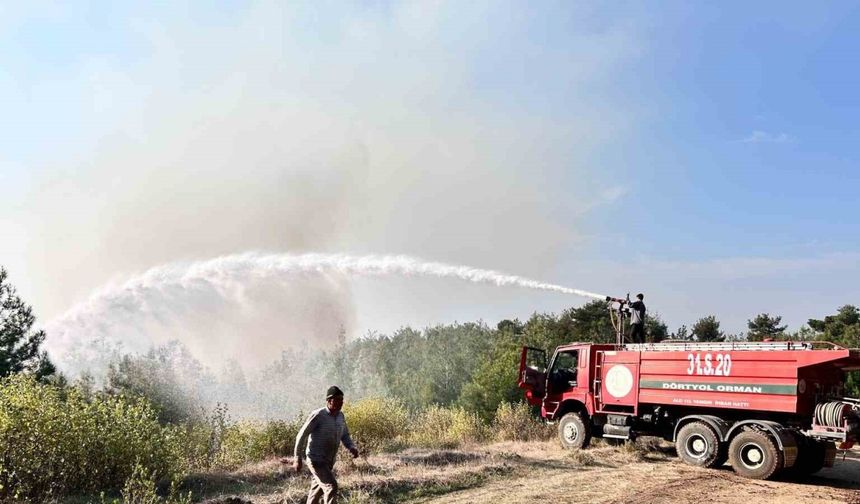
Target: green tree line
x=471 y=365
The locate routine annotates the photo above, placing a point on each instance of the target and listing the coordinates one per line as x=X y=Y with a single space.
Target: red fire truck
x=764 y=407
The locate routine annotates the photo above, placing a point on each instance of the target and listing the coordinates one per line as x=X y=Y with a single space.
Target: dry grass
x=515 y=422
x=416 y=474
x=505 y=472
x=582 y=458
x=399 y=477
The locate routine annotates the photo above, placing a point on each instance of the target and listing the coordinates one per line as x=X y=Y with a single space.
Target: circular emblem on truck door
x=619 y=381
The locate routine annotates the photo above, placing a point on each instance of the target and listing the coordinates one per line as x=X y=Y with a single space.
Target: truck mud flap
x=789 y=448
x=829 y=455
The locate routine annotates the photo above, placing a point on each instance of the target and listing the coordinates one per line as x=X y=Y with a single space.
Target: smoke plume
x=398 y=128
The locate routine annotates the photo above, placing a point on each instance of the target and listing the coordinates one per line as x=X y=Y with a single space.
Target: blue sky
x=705 y=153
x=724 y=74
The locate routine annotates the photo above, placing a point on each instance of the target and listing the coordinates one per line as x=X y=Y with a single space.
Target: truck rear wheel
x=811 y=455
x=754 y=454
x=697 y=444
x=574 y=432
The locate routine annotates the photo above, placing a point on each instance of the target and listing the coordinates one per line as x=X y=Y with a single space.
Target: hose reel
x=834 y=413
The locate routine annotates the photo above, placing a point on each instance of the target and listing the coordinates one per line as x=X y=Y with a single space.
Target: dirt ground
x=646 y=472
x=614 y=478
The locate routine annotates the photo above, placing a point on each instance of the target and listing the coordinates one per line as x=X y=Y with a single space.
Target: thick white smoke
x=224 y=308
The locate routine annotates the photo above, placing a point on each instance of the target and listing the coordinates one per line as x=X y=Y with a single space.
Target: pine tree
x=708 y=329
x=763 y=327
x=656 y=329
x=19 y=344
x=682 y=334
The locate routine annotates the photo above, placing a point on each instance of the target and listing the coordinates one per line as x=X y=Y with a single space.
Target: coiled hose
x=833 y=414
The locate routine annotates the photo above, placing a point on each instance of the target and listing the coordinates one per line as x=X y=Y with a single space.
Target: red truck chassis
x=764 y=407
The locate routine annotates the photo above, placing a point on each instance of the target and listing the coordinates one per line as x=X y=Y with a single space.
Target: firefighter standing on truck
x=637 y=320
x=322 y=433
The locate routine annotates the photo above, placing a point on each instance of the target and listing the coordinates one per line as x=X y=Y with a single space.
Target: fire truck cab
x=563 y=382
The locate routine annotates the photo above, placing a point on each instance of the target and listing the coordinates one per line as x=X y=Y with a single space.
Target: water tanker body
x=765 y=406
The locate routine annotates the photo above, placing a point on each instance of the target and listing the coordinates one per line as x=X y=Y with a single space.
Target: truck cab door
x=563 y=380
x=532 y=376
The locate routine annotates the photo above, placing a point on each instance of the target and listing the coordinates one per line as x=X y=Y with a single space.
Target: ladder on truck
x=768 y=346
x=598 y=380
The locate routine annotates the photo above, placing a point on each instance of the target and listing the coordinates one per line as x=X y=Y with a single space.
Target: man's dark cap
x=640 y=295
x=333 y=391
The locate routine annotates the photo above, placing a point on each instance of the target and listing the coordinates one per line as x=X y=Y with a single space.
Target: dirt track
x=521 y=472
x=615 y=478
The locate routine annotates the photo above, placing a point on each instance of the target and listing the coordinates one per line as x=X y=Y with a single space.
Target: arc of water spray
x=220 y=271
x=409 y=266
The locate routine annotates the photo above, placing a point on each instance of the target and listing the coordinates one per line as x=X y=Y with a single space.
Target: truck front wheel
x=697 y=444
x=754 y=454
x=573 y=431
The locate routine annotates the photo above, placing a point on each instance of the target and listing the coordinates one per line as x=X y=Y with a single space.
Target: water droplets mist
x=244 y=307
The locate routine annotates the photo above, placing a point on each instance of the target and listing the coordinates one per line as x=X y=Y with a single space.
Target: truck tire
x=723 y=456
x=573 y=431
x=698 y=445
x=811 y=455
x=754 y=454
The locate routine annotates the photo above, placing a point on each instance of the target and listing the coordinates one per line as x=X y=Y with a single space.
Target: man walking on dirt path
x=637 y=320
x=318 y=439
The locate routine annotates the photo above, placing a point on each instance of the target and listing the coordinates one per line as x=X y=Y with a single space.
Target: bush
x=140 y=487
x=236 y=445
x=201 y=439
x=438 y=427
x=245 y=442
x=57 y=442
x=377 y=423
x=199 y=445
x=515 y=422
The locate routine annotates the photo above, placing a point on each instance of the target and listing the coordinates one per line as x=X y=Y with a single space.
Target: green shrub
x=248 y=441
x=56 y=442
x=201 y=439
x=278 y=438
x=439 y=427
x=467 y=427
x=200 y=443
x=515 y=422
x=377 y=423
x=139 y=488
x=237 y=445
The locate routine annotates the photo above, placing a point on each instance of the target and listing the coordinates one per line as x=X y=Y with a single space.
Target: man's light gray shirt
x=637 y=312
x=319 y=436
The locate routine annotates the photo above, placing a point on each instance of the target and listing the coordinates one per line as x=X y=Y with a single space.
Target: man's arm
x=347 y=440
x=302 y=438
